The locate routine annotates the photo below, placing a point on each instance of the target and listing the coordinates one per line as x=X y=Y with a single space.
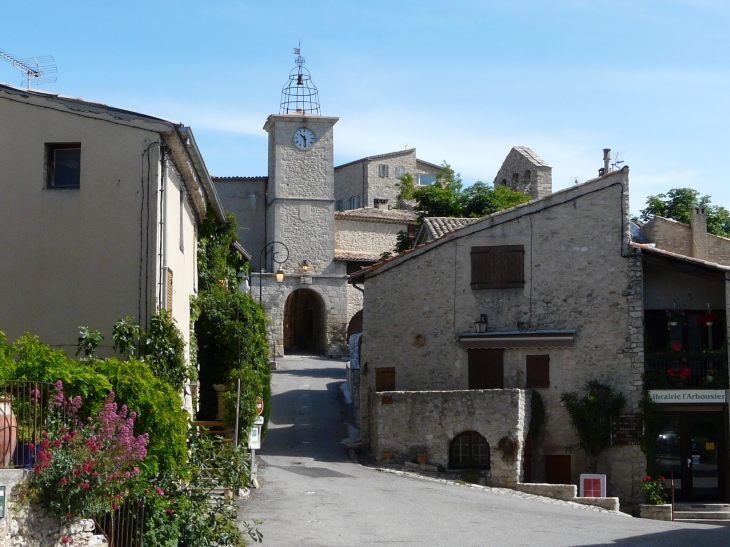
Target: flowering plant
x=675 y=316
x=707 y=318
x=85 y=468
x=679 y=375
x=653 y=490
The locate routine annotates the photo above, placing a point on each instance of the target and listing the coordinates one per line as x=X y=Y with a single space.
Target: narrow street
x=312 y=494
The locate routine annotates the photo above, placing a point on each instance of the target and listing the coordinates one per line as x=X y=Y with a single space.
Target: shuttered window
x=486 y=369
x=498 y=267
x=169 y=290
x=538 y=371
x=385 y=379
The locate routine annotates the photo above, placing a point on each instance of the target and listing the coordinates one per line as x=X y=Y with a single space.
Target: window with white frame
x=425 y=179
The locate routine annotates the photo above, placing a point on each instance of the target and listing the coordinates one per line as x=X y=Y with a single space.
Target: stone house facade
x=361 y=182
x=100 y=217
x=526 y=172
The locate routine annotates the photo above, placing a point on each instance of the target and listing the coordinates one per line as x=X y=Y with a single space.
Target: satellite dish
x=35 y=69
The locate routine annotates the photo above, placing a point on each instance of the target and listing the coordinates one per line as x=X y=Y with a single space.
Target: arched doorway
x=355 y=325
x=304 y=322
x=469 y=450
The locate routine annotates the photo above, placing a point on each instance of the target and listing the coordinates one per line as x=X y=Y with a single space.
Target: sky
x=461 y=81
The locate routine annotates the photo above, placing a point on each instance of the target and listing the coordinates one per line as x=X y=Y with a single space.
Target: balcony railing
x=686 y=371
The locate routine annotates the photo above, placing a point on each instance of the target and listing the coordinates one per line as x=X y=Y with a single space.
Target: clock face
x=303 y=138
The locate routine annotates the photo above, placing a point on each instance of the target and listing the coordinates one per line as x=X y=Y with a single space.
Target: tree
x=591 y=416
x=677 y=204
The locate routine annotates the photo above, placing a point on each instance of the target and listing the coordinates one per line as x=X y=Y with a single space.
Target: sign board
x=254 y=438
x=260 y=406
x=665 y=396
x=2 y=502
x=592 y=486
x=259 y=421
x=626 y=430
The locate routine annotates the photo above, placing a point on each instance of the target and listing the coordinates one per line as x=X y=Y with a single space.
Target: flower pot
x=709 y=323
x=672 y=323
x=8 y=432
x=422 y=459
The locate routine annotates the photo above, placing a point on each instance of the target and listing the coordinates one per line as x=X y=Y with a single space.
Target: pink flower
x=159 y=491
x=65 y=540
x=169 y=511
x=63 y=481
x=85 y=485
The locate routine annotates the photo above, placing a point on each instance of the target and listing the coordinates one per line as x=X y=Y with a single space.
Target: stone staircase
x=705 y=513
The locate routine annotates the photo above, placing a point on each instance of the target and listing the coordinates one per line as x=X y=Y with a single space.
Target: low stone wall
x=31 y=525
x=408 y=423
x=656 y=512
x=567 y=492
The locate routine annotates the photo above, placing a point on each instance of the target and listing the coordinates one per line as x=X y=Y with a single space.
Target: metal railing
x=125 y=526
x=24 y=412
x=686 y=371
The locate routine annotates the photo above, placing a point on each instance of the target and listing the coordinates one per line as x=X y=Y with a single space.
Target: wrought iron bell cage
x=299 y=95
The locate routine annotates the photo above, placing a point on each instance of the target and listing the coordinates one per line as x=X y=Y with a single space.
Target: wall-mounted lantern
x=482 y=324
x=280 y=276
x=305 y=266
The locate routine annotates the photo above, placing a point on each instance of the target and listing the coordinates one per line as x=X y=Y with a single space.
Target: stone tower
x=526 y=172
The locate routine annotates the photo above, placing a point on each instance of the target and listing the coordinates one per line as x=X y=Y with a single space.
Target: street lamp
x=305 y=266
x=270 y=250
x=482 y=324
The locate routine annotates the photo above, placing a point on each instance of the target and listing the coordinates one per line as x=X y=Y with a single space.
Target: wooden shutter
x=498 y=267
x=557 y=470
x=385 y=379
x=538 y=371
x=169 y=290
x=411 y=230
x=486 y=369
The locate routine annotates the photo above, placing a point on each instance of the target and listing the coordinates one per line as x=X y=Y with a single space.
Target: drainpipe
x=162 y=253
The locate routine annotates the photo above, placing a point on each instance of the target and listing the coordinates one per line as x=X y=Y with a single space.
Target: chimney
x=606 y=161
x=698 y=225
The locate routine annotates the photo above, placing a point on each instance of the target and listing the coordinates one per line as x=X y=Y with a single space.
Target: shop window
x=498 y=267
x=469 y=450
x=63 y=165
x=538 y=371
x=385 y=379
x=486 y=369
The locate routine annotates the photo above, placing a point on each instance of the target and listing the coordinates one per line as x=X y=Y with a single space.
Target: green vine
x=508 y=446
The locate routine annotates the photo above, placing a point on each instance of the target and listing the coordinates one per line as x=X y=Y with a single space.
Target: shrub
x=508 y=446
x=653 y=490
x=164 y=350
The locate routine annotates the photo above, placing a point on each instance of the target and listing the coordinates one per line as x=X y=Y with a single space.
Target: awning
x=518 y=339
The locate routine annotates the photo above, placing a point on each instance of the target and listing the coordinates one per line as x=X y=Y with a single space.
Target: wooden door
x=558 y=470
x=486 y=369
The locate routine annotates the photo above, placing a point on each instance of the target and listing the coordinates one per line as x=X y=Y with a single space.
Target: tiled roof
x=371 y=214
x=530 y=155
x=668 y=254
x=239 y=179
x=435 y=227
x=356 y=256
x=379 y=157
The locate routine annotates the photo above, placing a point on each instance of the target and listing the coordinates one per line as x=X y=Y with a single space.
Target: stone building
x=526 y=172
x=569 y=296
x=373 y=181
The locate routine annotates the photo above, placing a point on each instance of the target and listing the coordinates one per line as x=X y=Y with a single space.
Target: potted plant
x=655 y=496
x=675 y=317
x=679 y=376
x=707 y=318
x=8 y=431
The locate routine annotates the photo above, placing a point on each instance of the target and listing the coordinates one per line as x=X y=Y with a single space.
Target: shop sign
x=688 y=396
x=627 y=430
x=254 y=438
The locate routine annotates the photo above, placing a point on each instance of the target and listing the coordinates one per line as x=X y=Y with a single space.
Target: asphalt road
x=312 y=494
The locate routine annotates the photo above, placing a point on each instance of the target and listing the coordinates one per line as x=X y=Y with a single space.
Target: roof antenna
x=34 y=68
x=616 y=164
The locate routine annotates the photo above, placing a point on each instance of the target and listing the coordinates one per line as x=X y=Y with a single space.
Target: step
x=716 y=522
x=695 y=515
x=702 y=506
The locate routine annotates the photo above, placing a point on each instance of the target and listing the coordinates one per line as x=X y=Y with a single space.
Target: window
x=355 y=202
x=538 y=371
x=400 y=171
x=385 y=379
x=380 y=203
x=63 y=165
x=412 y=229
x=339 y=206
x=500 y=267
x=383 y=170
x=424 y=179
x=469 y=450
x=486 y=369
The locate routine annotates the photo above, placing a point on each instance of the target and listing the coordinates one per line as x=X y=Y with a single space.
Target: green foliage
x=164 y=350
x=480 y=199
x=591 y=416
x=158 y=408
x=7 y=363
x=89 y=340
x=472 y=476
x=537 y=414
x=653 y=490
x=677 y=204
x=509 y=447
x=217 y=261
x=126 y=334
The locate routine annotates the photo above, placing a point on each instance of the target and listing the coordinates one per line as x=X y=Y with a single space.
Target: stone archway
x=355 y=325
x=304 y=322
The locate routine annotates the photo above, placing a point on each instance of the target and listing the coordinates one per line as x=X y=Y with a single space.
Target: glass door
x=669 y=453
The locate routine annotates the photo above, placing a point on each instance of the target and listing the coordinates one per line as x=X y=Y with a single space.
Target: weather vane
x=34 y=68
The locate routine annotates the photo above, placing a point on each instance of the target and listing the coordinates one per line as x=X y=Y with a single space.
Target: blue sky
x=461 y=81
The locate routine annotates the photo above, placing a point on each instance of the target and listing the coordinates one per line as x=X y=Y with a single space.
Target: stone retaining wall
x=409 y=423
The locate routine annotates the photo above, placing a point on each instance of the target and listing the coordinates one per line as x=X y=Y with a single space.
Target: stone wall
x=350 y=181
x=418 y=422
x=31 y=526
x=676 y=237
x=366 y=237
x=579 y=275
x=525 y=172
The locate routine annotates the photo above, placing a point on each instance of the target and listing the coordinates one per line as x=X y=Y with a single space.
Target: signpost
x=2 y=502
x=260 y=406
x=626 y=430
x=254 y=438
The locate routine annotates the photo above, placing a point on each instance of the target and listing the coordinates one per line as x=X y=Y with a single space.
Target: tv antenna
x=617 y=163
x=34 y=68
